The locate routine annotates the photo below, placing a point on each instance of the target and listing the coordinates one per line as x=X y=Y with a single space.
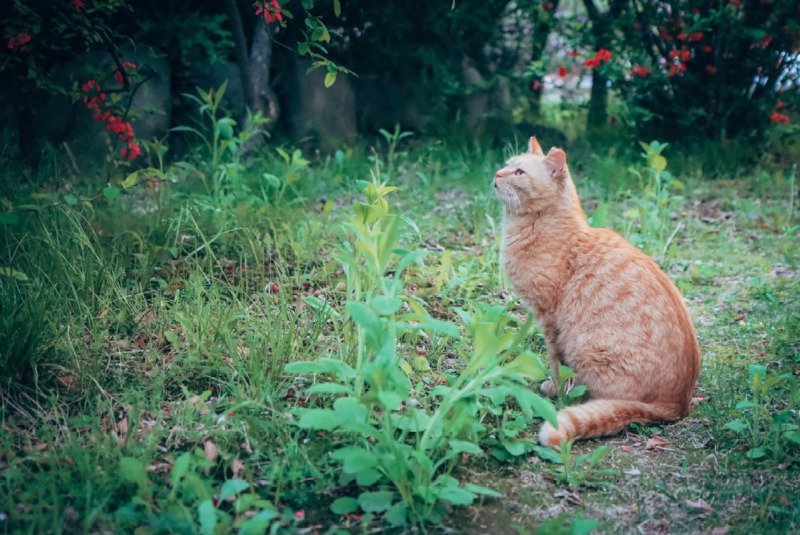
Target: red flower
x=18 y=41
x=591 y=63
x=640 y=70
x=77 y=4
x=275 y=288
x=127 y=66
x=682 y=36
x=573 y=53
x=270 y=10
x=132 y=151
x=664 y=34
x=696 y=36
x=707 y=49
x=603 y=55
x=300 y=515
x=548 y=5
x=536 y=85
x=736 y=3
x=765 y=41
x=779 y=118
x=711 y=69
x=780 y=104
x=562 y=72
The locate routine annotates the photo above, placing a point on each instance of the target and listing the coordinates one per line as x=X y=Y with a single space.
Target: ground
x=174 y=323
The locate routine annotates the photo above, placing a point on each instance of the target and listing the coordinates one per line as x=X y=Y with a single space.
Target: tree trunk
x=541 y=31
x=602 y=22
x=240 y=50
x=598 y=103
x=265 y=99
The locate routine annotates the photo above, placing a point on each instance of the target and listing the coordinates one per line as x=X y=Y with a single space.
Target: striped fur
x=605 y=308
x=600 y=417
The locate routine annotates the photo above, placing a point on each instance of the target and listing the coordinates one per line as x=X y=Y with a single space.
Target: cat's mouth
x=507 y=195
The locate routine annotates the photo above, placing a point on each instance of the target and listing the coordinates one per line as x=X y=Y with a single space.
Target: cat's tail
x=600 y=417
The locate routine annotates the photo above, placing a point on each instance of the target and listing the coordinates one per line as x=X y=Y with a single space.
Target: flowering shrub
x=95 y=98
x=703 y=68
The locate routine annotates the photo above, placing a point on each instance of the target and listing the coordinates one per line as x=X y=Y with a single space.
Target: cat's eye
x=519 y=172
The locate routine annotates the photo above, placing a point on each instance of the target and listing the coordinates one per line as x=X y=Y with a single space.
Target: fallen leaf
x=699 y=503
x=237 y=467
x=656 y=443
x=67 y=381
x=121 y=428
x=210 y=450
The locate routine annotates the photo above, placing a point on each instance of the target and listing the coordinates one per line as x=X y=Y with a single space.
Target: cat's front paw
x=548 y=388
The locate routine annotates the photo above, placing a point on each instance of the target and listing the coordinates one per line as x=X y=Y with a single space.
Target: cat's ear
x=556 y=161
x=534 y=147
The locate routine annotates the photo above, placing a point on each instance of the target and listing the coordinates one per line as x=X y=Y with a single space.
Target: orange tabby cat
x=606 y=309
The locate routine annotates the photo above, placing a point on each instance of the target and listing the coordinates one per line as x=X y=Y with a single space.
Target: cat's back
x=618 y=303
x=609 y=277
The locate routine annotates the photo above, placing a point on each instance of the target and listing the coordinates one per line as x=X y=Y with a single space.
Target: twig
x=71 y=158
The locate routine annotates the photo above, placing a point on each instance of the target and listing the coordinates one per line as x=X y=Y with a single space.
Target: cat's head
x=532 y=181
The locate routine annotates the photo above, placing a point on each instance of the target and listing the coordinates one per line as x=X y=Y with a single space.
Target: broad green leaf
x=303 y=48
x=526 y=365
x=111 y=192
x=746 y=405
x=577 y=392
x=756 y=453
x=386 y=305
x=207 y=514
x=355 y=459
x=70 y=199
x=462 y=446
x=337 y=8
x=130 y=180
x=514 y=447
x=397 y=515
x=364 y=316
x=328 y=388
x=349 y=410
x=415 y=422
x=225 y=127
x=456 y=495
x=320 y=419
x=180 y=468
x=485 y=491
x=232 y=487
x=548 y=455
x=368 y=477
x=443 y=327
x=736 y=425
x=375 y=502
x=390 y=400
x=330 y=79
x=344 y=505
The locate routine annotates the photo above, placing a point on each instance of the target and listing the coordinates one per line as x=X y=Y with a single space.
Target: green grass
x=143 y=351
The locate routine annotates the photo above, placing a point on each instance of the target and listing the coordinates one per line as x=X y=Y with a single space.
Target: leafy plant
x=769 y=432
x=402 y=444
x=650 y=225
x=222 y=172
x=580 y=470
